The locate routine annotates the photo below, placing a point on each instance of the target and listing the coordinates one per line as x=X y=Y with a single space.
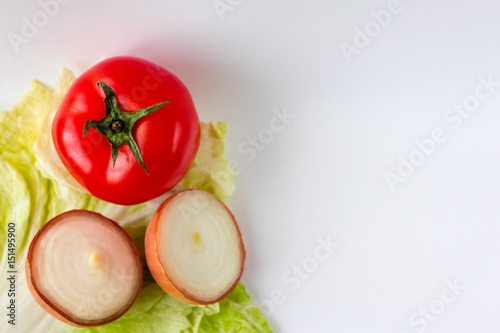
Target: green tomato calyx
x=117 y=125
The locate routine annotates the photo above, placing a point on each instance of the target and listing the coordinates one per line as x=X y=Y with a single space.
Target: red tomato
x=166 y=140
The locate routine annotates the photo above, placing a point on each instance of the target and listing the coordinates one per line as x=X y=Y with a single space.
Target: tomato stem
x=117 y=125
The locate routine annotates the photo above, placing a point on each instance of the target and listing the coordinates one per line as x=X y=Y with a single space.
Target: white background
x=323 y=175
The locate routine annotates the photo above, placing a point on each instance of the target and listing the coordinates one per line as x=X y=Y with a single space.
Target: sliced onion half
x=84 y=269
x=194 y=248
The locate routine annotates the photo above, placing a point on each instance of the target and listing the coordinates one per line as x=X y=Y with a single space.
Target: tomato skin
x=167 y=138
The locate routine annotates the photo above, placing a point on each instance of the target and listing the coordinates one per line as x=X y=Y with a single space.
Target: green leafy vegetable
x=30 y=196
x=237 y=314
x=47 y=159
x=156 y=312
x=210 y=170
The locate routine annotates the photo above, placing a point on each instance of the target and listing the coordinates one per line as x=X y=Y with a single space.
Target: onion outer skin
x=52 y=309
x=159 y=273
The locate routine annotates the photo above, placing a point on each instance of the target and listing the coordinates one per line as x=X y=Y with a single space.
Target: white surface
x=323 y=175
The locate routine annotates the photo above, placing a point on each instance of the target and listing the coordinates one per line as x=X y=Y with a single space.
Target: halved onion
x=194 y=248
x=84 y=269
